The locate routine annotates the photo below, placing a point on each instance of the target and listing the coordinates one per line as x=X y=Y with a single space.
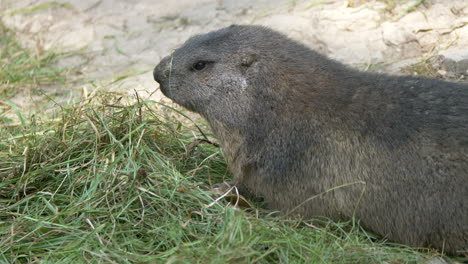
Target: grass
x=103 y=181
x=22 y=69
x=106 y=182
x=422 y=68
x=42 y=6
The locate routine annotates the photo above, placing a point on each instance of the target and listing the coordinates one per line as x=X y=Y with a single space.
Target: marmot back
x=316 y=138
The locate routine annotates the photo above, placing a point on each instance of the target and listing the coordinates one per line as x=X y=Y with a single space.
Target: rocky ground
x=110 y=38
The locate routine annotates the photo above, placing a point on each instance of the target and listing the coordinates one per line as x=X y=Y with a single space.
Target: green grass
x=42 y=6
x=102 y=181
x=107 y=182
x=422 y=68
x=22 y=69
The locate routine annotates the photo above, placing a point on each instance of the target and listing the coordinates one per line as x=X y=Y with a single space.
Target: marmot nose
x=160 y=71
x=157 y=74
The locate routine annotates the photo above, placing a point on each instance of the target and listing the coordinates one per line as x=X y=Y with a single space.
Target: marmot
x=316 y=138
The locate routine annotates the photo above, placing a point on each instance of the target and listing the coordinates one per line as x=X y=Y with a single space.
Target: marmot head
x=239 y=69
x=209 y=69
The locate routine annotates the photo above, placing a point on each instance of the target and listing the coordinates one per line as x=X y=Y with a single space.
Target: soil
x=125 y=39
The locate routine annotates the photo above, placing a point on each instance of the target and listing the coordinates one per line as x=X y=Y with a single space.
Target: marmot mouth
x=164 y=90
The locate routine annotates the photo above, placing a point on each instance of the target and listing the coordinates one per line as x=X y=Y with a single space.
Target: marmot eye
x=198 y=66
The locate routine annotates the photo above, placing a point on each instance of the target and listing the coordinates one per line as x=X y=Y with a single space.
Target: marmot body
x=316 y=138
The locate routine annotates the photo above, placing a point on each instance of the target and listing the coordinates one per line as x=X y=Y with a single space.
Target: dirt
x=112 y=38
